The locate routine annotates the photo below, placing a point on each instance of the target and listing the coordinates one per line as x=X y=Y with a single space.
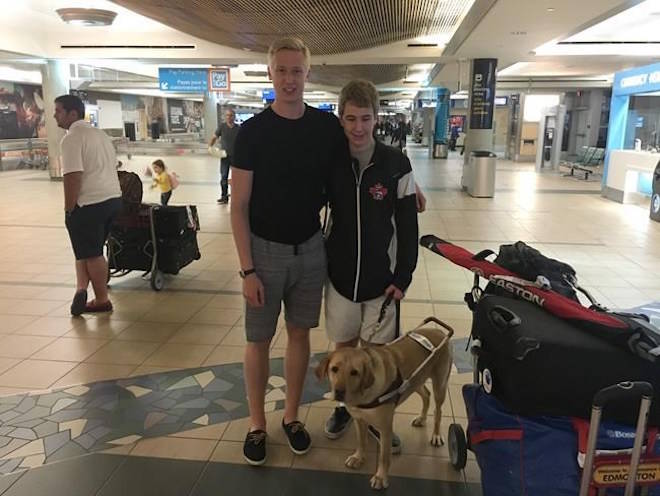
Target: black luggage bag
x=174 y=253
x=174 y=221
x=539 y=364
x=176 y=232
x=130 y=248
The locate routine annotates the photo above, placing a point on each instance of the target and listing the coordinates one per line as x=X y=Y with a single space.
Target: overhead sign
x=482 y=96
x=219 y=79
x=640 y=80
x=268 y=96
x=183 y=80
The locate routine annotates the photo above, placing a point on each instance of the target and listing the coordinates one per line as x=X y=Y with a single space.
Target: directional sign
x=183 y=80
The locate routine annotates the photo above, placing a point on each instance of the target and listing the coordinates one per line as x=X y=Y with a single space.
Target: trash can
x=481 y=174
x=440 y=150
x=655 y=196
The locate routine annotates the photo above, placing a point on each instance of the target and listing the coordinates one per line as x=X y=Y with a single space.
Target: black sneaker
x=396 y=440
x=337 y=423
x=254 y=448
x=223 y=200
x=79 y=303
x=299 y=440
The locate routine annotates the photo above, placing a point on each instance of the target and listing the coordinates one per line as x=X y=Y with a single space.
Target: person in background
x=162 y=180
x=92 y=198
x=399 y=135
x=372 y=241
x=227 y=132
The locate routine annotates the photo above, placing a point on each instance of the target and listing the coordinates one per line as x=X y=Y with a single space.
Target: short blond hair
x=289 y=43
x=361 y=93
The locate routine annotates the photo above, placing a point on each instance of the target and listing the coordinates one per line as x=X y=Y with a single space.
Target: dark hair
x=72 y=102
x=159 y=163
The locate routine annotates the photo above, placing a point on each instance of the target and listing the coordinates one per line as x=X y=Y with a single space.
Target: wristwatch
x=245 y=273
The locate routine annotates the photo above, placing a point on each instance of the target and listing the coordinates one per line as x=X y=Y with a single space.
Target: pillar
x=616 y=132
x=55 y=82
x=210 y=115
x=482 y=106
x=441 y=116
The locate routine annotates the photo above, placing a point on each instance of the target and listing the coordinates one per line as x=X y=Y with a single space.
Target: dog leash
x=381 y=317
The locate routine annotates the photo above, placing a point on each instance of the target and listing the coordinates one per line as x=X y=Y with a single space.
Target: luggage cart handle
x=617 y=392
x=623 y=390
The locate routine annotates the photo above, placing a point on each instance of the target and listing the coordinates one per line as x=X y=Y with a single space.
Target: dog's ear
x=322 y=369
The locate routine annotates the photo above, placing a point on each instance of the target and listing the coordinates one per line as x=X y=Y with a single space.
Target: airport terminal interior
x=149 y=399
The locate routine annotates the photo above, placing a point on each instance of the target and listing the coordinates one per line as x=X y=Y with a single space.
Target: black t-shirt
x=227 y=137
x=290 y=159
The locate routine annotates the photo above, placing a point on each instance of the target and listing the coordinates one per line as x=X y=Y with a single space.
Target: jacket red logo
x=378 y=191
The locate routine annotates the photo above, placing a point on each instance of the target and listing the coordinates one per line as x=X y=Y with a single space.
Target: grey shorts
x=291 y=274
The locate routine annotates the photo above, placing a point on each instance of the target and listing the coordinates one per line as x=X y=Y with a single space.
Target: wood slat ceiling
x=338 y=75
x=326 y=26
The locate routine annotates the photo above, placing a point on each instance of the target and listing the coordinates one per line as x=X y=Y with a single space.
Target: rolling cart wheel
x=157 y=280
x=457 y=445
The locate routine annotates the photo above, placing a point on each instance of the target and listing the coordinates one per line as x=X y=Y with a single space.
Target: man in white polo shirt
x=92 y=197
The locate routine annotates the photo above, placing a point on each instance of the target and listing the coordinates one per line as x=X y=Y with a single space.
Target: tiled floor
x=197 y=321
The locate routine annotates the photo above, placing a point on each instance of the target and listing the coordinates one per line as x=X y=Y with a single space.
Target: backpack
x=174 y=180
x=529 y=263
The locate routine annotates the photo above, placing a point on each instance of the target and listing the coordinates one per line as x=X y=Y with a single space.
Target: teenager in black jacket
x=372 y=240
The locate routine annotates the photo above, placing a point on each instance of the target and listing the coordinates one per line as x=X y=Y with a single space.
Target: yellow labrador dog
x=367 y=379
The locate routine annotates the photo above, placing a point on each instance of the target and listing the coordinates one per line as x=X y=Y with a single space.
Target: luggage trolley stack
x=150 y=238
x=543 y=365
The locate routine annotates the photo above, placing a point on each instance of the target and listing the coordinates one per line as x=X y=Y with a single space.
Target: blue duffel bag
x=535 y=456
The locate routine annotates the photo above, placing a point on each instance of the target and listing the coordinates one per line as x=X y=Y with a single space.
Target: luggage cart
x=148 y=262
x=150 y=238
x=628 y=469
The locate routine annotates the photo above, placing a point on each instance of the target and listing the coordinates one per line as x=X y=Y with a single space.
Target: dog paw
x=379 y=482
x=354 y=461
x=436 y=440
x=419 y=422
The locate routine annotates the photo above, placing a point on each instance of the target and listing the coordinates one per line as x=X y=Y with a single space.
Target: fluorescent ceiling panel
x=637 y=26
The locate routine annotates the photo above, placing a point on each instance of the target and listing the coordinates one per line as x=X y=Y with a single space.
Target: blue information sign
x=183 y=80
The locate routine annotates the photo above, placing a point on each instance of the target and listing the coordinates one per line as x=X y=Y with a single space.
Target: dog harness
x=399 y=385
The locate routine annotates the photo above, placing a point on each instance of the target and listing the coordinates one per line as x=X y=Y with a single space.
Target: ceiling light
x=87 y=17
x=550 y=9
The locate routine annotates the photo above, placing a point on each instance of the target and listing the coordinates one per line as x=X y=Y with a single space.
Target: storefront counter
x=624 y=170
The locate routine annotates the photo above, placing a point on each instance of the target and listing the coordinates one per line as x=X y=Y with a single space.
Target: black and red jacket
x=373 y=232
